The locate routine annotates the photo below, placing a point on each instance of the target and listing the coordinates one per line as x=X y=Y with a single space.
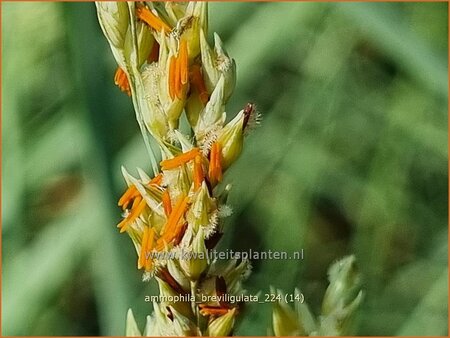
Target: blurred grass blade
x=380 y=23
x=430 y=317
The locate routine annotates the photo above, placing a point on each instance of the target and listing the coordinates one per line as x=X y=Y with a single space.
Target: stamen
x=166 y=202
x=180 y=159
x=148 y=265
x=136 y=201
x=135 y=212
x=149 y=245
x=180 y=233
x=177 y=77
x=121 y=80
x=152 y=20
x=206 y=310
x=142 y=253
x=198 y=82
x=180 y=228
x=172 y=78
x=215 y=165
x=183 y=56
x=122 y=224
x=130 y=193
x=198 y=172
x=174 y=218
x=157 y=180
x=160 y=244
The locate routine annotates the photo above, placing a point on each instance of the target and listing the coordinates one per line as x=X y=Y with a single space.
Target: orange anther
x=178 y=72
x=177 y=77
x=170 y=228
x=167 y=203
x=212 y=310
x=142 y=253
x=198 y=172
x=181 y=229
x=136 y=202
x=157 y=180
x=184 y=65
x=121 y=80
x=215 y=164
x=199 y=84
x=136 y=210
x=122 y=224
x=148 y=264
x=172 y=78
x=152 y=20
x=180 y=159
x=129 y=194
x=149 y=247
x=160 y=244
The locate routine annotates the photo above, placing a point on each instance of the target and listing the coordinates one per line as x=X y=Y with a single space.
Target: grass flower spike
x=173 y=217
x=339 y=306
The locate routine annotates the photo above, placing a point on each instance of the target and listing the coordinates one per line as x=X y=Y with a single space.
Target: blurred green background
x=351 y=157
